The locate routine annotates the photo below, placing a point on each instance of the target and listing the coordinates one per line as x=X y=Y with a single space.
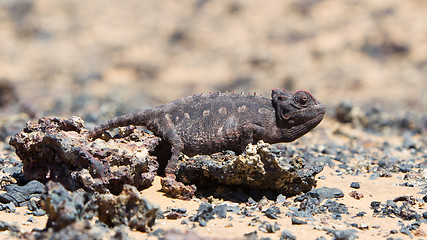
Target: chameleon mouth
x=302 y=115
x=305 y=125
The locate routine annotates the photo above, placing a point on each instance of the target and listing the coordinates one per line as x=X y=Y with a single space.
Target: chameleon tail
x=137 y=119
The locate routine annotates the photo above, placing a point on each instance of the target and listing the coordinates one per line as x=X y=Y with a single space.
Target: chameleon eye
x=301 y=98
x=281 y=98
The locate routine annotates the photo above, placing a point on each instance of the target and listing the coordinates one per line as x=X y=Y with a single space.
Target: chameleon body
x=209 y=123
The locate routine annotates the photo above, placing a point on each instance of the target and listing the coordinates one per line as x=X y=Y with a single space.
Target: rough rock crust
x=260 y=166
x=58 y=149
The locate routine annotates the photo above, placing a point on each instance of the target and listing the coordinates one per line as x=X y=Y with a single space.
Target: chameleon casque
x=209 y=123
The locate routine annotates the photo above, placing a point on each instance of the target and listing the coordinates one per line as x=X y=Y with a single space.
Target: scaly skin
x=205 y=124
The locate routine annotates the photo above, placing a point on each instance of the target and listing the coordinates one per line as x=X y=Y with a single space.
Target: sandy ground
x=98 y=59
x=381 y=189
x=378 y=190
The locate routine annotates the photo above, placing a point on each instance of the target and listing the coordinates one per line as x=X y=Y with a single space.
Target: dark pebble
x=221 y=210
x=375 y=204
x=4 y=226
x=360 y=214
x=405 y=167
x=202 y=222
x=19 y=195
x=407 y=229
x=179 y=210
x=251 y=201
x=272 y=212
x=286 y=235
x=174 y=215
x=355 y=185
x=204 y=214
x=407 y=184
x=348 y=234
x=298 y=221
x=9 y=207
x=322 y=193
x=34 y=208
x=336 y=207
x=311 y=205
x=267 y=227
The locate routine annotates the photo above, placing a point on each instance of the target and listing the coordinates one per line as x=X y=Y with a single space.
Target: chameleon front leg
x=250 y=133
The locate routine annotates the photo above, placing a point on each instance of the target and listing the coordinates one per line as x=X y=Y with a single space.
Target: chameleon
x=214 y=122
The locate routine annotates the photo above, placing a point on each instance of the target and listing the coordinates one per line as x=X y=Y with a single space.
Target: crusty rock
x=64 y=207
x=129 y=208
x=58 y=149
x=258 y=167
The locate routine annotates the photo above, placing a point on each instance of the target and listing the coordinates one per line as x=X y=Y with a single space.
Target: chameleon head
x=298 y=111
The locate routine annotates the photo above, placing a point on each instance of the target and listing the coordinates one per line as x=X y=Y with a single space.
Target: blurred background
x=100 y=58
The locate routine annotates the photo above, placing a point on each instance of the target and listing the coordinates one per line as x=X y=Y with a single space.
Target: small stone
x=268 y=227
x=322 y=193
x=360 y=214
x=204 y=214
x=375 y=204
x=280 y=198
x=254 y=221
x=349 y=234
x=335 y=207
x=272 y=212
x=405 y=168
x=174 y=215
x=251 y=235
x=286 y=235
x=355 y=185
x=128 y=208
x=298 y=221
x=356 y=195
x=221 y=210
x=202 y=222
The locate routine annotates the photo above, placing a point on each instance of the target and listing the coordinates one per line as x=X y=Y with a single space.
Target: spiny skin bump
x=205 y=124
